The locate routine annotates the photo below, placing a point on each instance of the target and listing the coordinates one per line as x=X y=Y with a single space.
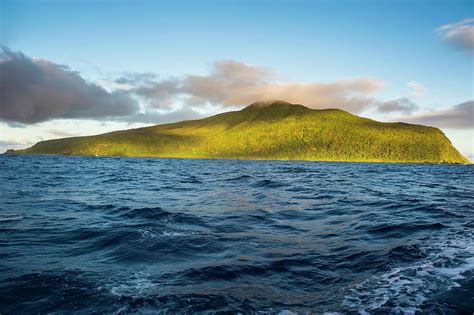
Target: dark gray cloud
x=401 y=105
x=458 y=117
x=35 y=90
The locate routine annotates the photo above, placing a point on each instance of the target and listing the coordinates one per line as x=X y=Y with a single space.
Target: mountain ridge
x=275 y=130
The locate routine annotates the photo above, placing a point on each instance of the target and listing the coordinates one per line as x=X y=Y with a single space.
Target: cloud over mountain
x=231 y=83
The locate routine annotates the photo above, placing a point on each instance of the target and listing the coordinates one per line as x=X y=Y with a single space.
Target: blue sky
x=302 y=41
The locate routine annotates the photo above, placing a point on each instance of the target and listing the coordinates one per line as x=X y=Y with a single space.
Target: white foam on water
x=146 y=234
x=408 y=287
x=176 y=234
x=137 y=285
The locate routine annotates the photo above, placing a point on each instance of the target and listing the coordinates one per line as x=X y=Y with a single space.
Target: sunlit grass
x=276 y=131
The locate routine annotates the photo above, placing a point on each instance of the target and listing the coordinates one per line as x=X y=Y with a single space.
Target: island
x=273 y=130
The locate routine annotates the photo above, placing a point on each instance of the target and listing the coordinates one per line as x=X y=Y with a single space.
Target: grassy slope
x=275 y=130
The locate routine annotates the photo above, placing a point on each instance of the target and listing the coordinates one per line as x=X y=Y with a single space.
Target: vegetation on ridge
x=269 y=130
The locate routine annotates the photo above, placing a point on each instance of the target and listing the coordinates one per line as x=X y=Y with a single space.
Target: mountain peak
x=283 y=107
x=269 y=103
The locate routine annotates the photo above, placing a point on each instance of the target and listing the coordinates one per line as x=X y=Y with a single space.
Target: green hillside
x=269 y=130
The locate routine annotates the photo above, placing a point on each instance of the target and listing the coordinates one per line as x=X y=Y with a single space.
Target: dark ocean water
x=126 y=235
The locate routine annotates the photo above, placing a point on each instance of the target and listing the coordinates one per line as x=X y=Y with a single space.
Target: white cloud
x=459 y=34
x=417 y=89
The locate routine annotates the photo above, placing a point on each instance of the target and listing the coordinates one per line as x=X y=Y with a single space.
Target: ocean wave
x=216 y=236
x=402 y=229
x=267 y=183
x=10 y=217
x=63 y=289
x=405 y=289
x=238 y=178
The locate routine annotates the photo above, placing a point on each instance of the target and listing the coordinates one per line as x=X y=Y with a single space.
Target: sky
x=70 y=68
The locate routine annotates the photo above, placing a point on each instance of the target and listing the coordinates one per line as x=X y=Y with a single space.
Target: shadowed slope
x=270 y=130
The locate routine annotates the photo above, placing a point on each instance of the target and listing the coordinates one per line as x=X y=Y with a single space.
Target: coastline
x=231 y=159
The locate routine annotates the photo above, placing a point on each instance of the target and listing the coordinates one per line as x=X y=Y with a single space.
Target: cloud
x=134 y=77
x=418 y=89
x=459 y=34
x=13 y=144
x=470 y=156
x=401 y=105
x=35 y=90
x=4 y=143
x=460 y=116
x=161 y=95
x=62 y=133
x=153 y=117
x=232 y=84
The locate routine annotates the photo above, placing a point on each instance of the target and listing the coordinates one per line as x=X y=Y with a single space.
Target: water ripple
x=126 y=235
